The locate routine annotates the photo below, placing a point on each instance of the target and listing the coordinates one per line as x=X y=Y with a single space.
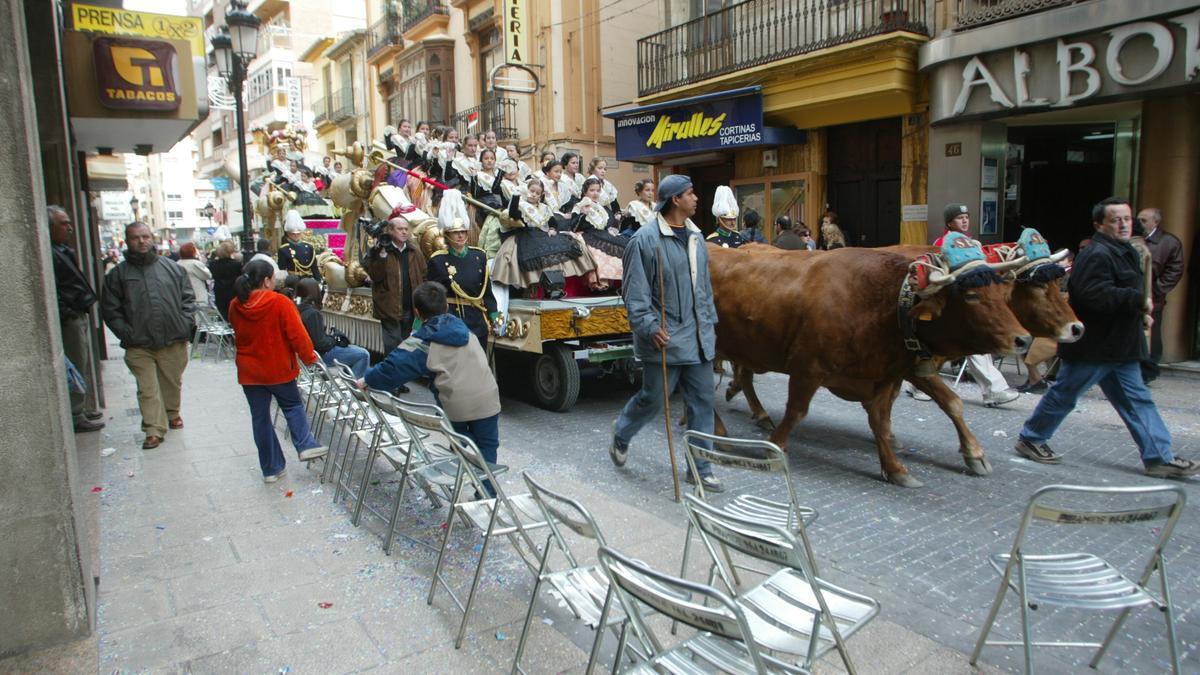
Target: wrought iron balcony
x=973 y=13
x=384 y=33
x=342 y=106
x=495 y=114
x=321 y=111
x=755 y=32
x=416 y=11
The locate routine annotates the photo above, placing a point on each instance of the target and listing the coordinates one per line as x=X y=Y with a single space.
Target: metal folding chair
x=513 y=517
x=792 y=611
x=585 y=589
x=727 y=642
x=1083 y=580
x=362 y=428
x=740 y=454
x=404 y=434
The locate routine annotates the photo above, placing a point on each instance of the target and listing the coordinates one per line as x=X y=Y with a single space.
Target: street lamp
x=208 y=212
x=234 y=49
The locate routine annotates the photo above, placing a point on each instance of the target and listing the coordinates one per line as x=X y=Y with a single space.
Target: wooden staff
x=662 y=307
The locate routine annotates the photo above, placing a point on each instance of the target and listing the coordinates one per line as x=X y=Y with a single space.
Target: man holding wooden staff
x=668 y=296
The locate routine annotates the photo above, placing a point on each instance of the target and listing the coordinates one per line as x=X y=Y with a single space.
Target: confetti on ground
x=107 y=452
x=501 y=636
x=285 y=670
x=160 y=527
x=548 y=621
x=130 y=474
x=1000 y=433
x=208 y=539
x=97 y=489
x=324 y=605
x=288 y=494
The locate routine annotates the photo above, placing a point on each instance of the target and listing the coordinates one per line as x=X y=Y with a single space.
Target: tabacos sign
x=1122 y=61
x=135 y=74
x=713 y=124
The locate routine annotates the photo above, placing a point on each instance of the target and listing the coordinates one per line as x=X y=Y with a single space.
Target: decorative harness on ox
x=959 y=259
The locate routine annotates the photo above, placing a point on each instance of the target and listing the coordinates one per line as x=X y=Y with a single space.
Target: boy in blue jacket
x=444 y=350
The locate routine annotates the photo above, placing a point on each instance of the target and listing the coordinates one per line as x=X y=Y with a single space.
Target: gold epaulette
x=438 y=252
x=711 y=236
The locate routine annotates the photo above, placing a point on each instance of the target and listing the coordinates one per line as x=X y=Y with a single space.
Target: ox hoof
x=978 y=466
x=904 y=479
x=764 y=422
x=731 y=391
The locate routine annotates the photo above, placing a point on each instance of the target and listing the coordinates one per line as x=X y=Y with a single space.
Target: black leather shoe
x=88 y=425
x=93 y=415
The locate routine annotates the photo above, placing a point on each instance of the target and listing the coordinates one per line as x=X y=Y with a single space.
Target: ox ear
x=929 y=308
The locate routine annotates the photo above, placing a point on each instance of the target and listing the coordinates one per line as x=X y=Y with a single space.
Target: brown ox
x=1038 y=305
x=840 y=330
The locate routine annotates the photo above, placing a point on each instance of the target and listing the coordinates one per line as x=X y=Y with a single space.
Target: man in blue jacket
x=1105 y=288
x=444 y=350
x=670 y=249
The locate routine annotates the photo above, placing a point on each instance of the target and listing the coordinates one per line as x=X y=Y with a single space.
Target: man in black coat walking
x=1105 y=288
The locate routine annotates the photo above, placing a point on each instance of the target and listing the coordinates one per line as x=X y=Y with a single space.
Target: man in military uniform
x=725 y=208
x=296 y=256
x=463 y=270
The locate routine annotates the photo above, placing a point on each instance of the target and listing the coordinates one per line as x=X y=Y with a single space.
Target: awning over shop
x=107 y=173
x=716 y=122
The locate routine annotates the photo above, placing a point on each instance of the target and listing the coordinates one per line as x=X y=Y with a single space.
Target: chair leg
x=537 y=584
x=622 y=641
x=364 y=486
x=687 y=549
x=991 y=618
x=1026 y=636
x=391 y=533
x=449 y=526
x=487 y=540
x=599 y=639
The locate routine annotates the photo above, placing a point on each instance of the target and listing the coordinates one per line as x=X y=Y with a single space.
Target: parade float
x=552 y=340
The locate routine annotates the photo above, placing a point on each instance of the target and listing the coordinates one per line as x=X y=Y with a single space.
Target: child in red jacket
x=269 y=336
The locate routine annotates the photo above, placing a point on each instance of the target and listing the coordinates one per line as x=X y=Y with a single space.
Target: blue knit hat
x=671 y=186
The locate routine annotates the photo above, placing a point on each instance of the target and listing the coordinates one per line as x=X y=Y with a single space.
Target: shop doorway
x=1053 y=176
x=864 y=181
x=705 y=179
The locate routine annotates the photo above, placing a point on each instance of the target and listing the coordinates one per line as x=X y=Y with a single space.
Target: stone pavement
x=203 y=568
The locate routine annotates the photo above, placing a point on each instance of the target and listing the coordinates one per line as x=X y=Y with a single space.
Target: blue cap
x=671 y=186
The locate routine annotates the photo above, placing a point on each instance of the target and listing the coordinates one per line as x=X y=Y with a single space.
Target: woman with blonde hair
x=831 y=235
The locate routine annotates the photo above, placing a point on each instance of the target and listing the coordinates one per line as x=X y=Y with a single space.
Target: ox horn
x=1008 y=265
x=939 y=278
x=1059 y=256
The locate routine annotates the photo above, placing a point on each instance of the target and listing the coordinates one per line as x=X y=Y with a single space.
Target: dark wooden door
x=864 y=181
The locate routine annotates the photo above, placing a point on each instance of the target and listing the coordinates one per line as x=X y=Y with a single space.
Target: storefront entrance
x=1053 y=176
x=864 y=181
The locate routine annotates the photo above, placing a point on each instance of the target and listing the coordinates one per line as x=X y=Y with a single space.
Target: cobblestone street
x=206 y=569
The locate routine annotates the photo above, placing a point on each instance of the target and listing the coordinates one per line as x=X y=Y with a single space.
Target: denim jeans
x=696 y=381
x=486 y=434
x=356 y=357
x=287 y=395
x=1123 y=386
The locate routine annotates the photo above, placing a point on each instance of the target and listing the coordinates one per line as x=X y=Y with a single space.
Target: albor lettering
x=698 y=125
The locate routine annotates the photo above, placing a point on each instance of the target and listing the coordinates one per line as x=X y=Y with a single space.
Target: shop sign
x=112 y=21
x=516 y=32
x=1123 y=61
x=703 y=126
x=220 y=183
x=116 y=206
x=133 y=74
x=295 y=109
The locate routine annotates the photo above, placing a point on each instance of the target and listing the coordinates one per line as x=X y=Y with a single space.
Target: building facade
x=1040 y=110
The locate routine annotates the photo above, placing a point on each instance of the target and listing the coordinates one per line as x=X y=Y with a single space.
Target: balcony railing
x=496 y=114
x=973 y=13
x=416 y=11
x=343 y=105
x=321 y=111
x=384 y=33
x=760 y=31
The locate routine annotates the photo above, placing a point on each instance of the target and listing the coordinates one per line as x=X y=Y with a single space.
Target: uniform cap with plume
x=293 y=222
x=724 y=203
x=452 y=214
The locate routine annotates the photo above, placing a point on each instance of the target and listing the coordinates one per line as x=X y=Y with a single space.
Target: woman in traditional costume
x=530 y=244
x=486 y=189
x=598 y=169
x=596 y=229
x=640 y=211
x=551 y=180
x=570 y=186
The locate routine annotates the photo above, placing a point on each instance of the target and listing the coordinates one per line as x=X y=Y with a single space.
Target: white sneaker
x=313 y=453
x=1000 y=398
x=272 y=479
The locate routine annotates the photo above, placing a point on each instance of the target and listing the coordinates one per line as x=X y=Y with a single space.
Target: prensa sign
x=134 y=74
x=1122 y=62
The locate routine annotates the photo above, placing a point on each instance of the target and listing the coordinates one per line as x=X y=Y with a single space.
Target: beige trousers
x=76 y=343
x=159 y=375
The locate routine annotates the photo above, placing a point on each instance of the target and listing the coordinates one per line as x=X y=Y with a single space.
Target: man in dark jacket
x=1105 y=289
x=75 y=300
x=148 y=304
x=787 y=239
x=1166 y=251
x=396 y=267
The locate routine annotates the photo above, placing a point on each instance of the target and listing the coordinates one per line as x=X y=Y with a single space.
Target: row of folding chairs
x=213 y=334
x=783 y=623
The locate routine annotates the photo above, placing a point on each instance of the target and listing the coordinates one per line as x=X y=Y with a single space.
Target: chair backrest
x=742 y=454
x=420 y=420
x=1133 y=511
x=697 y=605
x=764 y=541
x=559 y=509
x=474 y=466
